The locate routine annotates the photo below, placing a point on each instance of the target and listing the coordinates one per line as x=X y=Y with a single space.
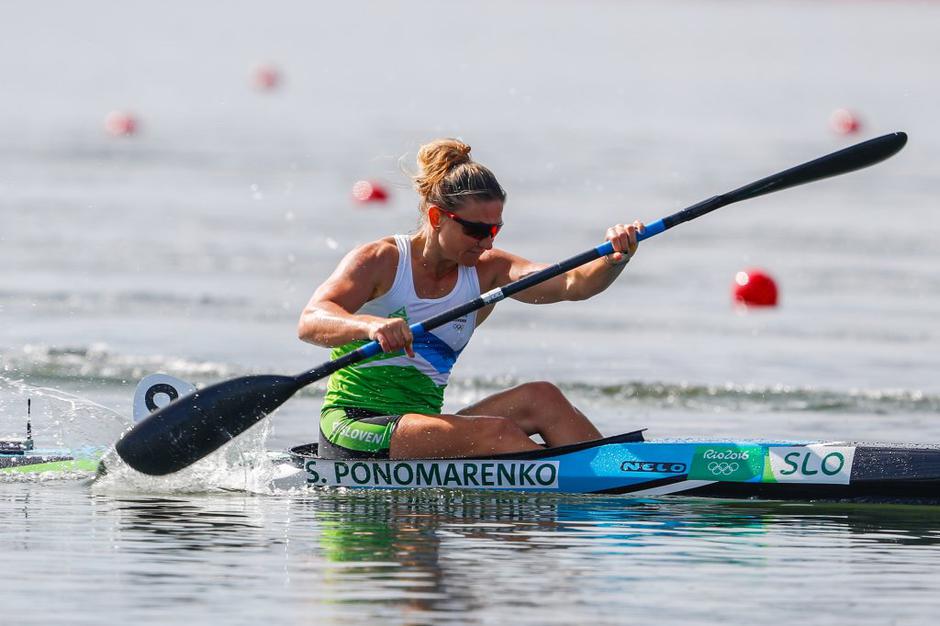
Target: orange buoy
x=844 y=122
x=120 y=124
x=367 y=191
x=754 y=287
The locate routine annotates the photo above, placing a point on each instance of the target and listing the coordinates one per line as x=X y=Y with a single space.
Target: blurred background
x=177 y=178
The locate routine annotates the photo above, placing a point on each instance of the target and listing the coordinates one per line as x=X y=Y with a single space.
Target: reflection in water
x=191 y=524
x=383 y=549
x=445 y=553
x=349 y=557
x=193 y=549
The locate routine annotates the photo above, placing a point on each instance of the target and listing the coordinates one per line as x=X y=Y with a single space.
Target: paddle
x=191 y=427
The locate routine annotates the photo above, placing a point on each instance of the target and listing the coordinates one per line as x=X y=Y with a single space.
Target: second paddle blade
x=190 y=428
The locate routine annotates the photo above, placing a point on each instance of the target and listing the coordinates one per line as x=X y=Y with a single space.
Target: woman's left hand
x=623 y=238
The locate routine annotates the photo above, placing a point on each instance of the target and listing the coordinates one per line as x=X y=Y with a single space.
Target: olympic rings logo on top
x=722 y=468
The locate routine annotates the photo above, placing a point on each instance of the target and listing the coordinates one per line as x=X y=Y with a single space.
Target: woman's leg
x=447 y=436
x=538 y=408
x=497 y=424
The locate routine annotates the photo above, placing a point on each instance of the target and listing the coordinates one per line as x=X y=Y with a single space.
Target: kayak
x=46 y=462
x=627 y=464
x=18 y=456
x=623 y=464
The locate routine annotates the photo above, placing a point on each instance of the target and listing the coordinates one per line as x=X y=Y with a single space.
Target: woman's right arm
x=365 y=273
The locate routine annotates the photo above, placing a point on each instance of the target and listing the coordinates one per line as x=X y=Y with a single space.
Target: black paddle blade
x=843 y=161
x=188 y=429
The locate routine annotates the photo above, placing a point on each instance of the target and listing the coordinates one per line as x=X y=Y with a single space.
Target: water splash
x=243 y=465
x=59 y=419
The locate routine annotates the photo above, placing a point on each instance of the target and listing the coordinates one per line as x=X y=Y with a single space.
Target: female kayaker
x=389 y=406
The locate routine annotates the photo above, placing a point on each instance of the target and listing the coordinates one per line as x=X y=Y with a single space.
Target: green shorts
x=354 y=433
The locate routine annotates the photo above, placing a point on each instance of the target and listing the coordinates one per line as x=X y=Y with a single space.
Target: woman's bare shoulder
x=367 y=271
x=374 y=254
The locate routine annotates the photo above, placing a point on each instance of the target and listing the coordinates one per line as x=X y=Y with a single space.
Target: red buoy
x=844 y=122
x=368 y=191
x=754 y=287
x=120 y=124
x=266 y=78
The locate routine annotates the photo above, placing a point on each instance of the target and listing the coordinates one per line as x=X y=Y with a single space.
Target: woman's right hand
x=393 y=334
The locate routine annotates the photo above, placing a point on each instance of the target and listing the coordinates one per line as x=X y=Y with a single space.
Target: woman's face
x=455 y=240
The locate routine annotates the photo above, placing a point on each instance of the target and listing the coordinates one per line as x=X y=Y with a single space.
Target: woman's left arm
x=580 y=283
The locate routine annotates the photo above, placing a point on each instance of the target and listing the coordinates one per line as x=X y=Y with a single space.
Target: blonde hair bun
x=436 y=159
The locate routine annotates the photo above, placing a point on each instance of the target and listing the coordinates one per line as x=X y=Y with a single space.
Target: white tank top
x=435 y=351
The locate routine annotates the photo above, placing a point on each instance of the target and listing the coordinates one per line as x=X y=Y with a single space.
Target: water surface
x=192 y=247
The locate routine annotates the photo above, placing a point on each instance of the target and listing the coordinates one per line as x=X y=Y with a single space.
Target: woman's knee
x=541 y=392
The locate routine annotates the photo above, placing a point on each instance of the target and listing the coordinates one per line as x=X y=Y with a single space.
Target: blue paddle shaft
x=651 y=230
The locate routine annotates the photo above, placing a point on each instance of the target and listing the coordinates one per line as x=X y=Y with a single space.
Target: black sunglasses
x=477 y=230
